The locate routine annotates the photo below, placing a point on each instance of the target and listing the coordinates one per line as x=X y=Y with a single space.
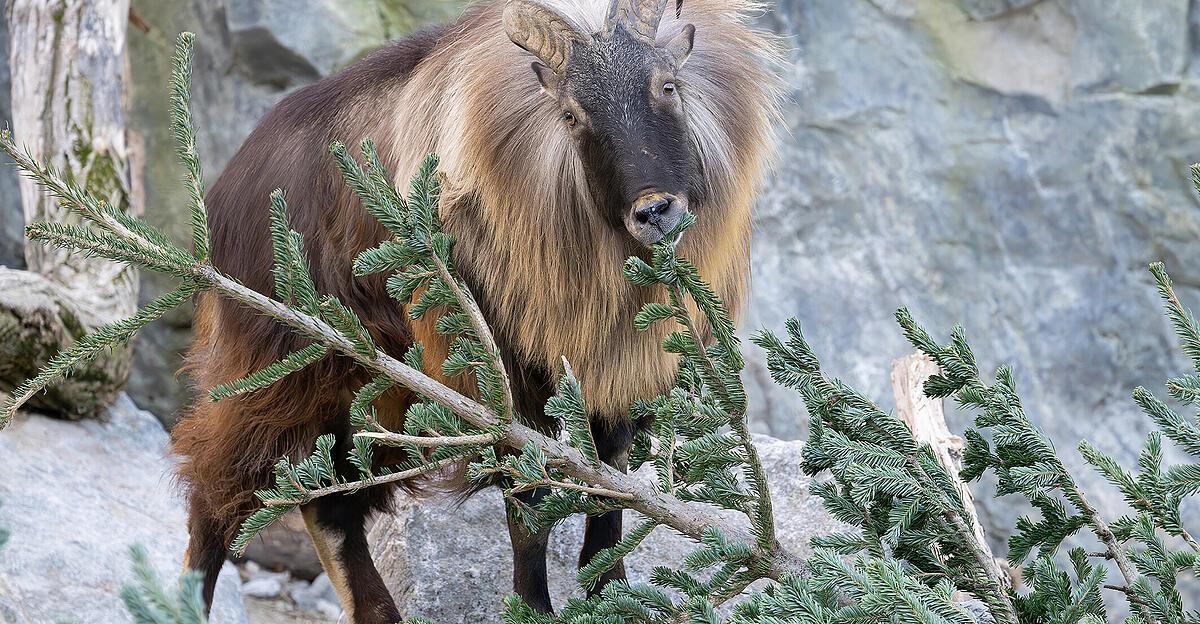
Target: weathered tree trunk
x=928 y=423
x=68 y=65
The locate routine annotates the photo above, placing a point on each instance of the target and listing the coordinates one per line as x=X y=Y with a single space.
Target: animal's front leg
x=613 y=441
x=529 y=557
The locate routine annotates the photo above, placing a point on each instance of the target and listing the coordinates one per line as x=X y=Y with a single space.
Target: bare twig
x=388 y=438
x=1101 y=529
x=567 y=485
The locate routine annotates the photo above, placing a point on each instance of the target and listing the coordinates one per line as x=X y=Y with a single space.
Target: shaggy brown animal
x=553 y=177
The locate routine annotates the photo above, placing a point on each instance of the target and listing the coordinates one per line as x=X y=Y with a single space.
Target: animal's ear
x=542 y=31
x=546 y=76
x=680 y=46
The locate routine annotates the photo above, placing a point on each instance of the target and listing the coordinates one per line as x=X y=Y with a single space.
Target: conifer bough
x=914 y=551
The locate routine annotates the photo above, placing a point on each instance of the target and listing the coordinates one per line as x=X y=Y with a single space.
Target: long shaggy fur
x=544 y=263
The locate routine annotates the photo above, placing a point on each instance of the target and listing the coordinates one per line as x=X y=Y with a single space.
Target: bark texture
x=927 y=420
x=68 y=83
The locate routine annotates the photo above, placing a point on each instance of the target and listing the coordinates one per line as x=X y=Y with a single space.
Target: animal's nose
x=653 y=215
x=652 y=211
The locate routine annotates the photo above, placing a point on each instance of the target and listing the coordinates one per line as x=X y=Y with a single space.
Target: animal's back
x=289 y=149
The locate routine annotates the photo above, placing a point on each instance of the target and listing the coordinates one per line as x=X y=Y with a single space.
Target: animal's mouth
x=653 y=215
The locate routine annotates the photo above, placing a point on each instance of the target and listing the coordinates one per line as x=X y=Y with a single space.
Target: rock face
x=76 y=496
x=1014 y=174
x=453 y=563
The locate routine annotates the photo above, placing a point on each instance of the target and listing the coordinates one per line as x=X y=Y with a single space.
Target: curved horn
x=541 y=31
x=640 y=17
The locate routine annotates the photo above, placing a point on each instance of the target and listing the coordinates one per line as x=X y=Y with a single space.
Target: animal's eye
x=669 y=89
x=569 y=118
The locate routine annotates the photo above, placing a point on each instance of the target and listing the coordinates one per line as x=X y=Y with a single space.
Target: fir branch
x=185 y=141
x=149 y=603
x=1180 y=431
x=1030 y=449
x=343 y=319
x=1182 y=319
x=874 y=457
x=604 y=560
x=567 y=406
x=300 y=484
x=268 y=376
x=483 y=333
x=388 y=208
x=413 y=223
x=96 y=211
x=682 y=280
x=89 y=347
x=354 y=486
x=97 y=245
x=293 y=282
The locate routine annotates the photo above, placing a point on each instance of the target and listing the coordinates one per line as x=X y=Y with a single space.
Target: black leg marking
x=206 y=549
x=613 y=442
x=529 y=557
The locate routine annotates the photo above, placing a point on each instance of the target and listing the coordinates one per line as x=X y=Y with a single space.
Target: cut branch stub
x=927 y=421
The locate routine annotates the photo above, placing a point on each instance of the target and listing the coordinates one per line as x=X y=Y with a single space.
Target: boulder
x=452 y=562
x=76 y=496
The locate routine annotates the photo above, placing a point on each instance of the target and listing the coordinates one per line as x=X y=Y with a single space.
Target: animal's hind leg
x=206 y=549
x=336 y=524
x=529 y=556
x=613 y=441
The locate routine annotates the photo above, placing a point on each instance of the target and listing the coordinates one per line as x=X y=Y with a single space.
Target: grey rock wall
x=1015 y=173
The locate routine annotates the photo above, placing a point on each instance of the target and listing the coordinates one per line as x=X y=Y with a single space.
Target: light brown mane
x=547 y=264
